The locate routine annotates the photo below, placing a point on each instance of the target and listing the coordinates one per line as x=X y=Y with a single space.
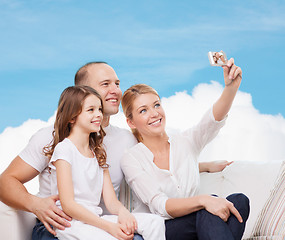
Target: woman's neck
x=156 y=143
x=160 y=148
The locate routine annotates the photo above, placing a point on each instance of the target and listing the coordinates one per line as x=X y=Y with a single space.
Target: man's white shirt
x=116 y=142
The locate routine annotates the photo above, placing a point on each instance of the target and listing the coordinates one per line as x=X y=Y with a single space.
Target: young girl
x=79 y=174
x=163 y=170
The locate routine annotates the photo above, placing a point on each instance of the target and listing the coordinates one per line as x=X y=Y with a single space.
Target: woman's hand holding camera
x=232 y=74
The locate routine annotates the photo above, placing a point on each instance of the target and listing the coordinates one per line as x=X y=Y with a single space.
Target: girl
x=163 y=170
x=79 y=174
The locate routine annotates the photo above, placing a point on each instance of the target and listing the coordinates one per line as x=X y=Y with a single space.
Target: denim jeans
x=41 y=233
x=138 y=237
x=203 y=225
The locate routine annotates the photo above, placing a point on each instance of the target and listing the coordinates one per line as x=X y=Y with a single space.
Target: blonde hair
x=69 y=107
x=128 y=99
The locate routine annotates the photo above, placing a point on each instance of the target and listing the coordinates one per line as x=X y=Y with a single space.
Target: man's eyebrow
x=105 y=80
x=109 y=80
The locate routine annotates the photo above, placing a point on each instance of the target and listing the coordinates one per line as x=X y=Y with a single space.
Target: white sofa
x=255 y=179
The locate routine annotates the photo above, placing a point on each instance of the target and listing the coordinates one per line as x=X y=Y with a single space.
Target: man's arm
x=12 y=190
x=14 y=194
x=213 y=166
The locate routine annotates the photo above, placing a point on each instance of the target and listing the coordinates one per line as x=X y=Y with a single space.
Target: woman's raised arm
x=232 y=78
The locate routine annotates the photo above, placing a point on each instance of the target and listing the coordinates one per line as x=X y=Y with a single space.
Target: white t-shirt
x=152 y=185
x=116 y=142
x=87 y=176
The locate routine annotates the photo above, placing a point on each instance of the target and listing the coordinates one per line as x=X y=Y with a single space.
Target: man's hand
x=218 y=166
x=215 y=166
x=49 y=214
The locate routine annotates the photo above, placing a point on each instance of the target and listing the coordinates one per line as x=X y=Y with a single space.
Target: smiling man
x=104 y=79
x=32 y=162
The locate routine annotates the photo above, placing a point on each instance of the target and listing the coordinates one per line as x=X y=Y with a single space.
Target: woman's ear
x=130 y=123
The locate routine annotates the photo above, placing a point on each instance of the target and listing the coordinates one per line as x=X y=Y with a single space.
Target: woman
x=163 y=170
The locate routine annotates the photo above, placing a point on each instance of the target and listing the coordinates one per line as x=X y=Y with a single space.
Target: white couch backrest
x=254 y=179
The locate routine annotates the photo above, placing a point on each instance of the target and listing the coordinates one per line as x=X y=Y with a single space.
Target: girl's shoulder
x=64 y=150
x=64 y=145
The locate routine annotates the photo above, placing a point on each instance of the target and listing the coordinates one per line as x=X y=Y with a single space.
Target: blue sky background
x=161 y=43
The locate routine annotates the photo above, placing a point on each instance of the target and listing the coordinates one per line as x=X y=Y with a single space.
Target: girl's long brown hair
x=69 y=107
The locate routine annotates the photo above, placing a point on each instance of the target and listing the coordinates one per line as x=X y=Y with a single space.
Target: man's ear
x=130 y=123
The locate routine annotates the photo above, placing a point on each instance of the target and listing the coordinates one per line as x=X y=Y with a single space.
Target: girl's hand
x=221 y=207
x=232 y=74
x=127 y=220
x=218 y=166
x=117 y=230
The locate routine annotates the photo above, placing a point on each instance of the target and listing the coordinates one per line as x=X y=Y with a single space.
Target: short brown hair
x=81 y=75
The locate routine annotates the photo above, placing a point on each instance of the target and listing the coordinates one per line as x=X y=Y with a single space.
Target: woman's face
x=148 y=115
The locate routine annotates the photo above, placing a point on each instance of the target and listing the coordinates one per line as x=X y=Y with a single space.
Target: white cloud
x=13 y=140
x=247 y=135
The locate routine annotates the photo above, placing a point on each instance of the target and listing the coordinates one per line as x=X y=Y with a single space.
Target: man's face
x=105 y=81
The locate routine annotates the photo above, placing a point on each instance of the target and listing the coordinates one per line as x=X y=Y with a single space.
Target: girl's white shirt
x=152 y=185
x=116 y=142
x=87 y=176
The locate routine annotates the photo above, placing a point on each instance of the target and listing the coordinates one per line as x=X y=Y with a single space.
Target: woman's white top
x=87 y=176
x=152 y=185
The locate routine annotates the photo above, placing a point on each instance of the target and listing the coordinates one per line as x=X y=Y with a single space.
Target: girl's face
x=148 y=115
x=90 y=118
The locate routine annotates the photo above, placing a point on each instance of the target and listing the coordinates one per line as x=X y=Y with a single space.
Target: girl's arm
x=114 y=206
x=77 y=211
x=232 y=78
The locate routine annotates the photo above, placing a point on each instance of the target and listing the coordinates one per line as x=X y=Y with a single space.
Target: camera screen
x=217 y=58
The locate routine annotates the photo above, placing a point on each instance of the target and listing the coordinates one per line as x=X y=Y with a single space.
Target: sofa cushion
x=254 y=179
x=15 y=224
x=271 y=220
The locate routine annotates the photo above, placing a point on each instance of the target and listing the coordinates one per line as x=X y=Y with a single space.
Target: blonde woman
x=163 y=170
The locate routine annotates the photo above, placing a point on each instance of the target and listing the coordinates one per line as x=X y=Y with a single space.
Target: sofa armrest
x=15 y=224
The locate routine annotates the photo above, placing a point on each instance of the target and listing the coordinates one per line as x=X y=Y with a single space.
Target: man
x=31 y=161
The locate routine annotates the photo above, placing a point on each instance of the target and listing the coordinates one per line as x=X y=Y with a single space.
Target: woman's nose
x=154 y=112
